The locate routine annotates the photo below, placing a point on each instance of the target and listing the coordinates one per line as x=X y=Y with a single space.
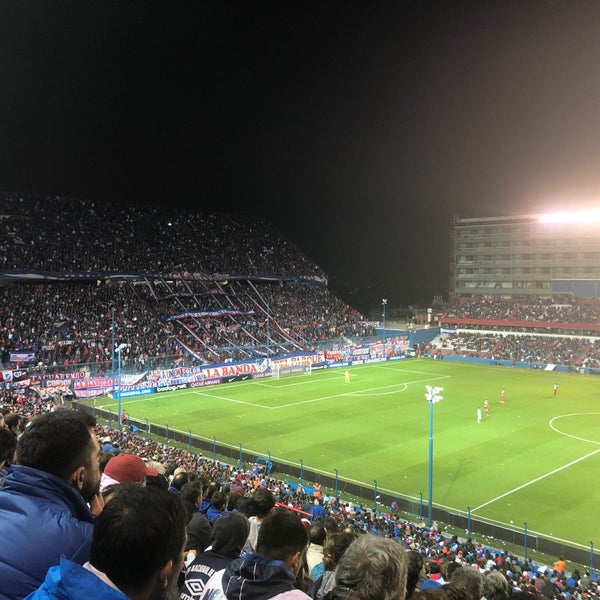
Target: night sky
x=359 y=129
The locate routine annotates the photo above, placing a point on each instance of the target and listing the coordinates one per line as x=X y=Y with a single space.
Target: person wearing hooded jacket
x=271 y=571
x=44 y=511
x=229 y=533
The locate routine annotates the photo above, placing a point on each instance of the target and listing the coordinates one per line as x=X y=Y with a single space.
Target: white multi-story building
x=526 y=255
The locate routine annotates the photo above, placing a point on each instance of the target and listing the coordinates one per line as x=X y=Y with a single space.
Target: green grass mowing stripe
x=377 y=428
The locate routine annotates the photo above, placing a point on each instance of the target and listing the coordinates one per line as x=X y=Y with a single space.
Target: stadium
x=213 y=334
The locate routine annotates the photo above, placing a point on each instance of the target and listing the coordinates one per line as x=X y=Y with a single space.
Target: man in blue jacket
x=136 y=552
x=46 y=498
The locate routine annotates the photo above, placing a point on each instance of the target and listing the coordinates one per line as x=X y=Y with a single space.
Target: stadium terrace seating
x=564 y=331
x=206 y=288
x=65 y=236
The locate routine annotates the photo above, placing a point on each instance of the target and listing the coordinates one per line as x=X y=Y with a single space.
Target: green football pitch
x=533 y=459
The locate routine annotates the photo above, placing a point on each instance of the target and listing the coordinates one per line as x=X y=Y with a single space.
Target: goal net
x=278 y=371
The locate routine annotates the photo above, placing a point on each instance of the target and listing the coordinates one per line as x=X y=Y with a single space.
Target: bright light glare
x=585 y=216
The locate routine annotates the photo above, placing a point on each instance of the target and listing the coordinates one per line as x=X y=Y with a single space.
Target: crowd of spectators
x=560 y=310
x=62 y=236
x=285 y=318
x=176 y=262
x=539 y=349
x=542 y=331
x=72 y=323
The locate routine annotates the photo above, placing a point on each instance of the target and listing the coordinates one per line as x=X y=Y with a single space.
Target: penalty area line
x=553 y=472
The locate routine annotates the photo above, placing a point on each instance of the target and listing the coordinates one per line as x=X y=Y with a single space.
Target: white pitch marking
x=553 y=472
x=358 y=393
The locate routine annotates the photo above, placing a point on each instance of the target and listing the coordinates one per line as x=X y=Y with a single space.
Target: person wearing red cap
x=126 y=468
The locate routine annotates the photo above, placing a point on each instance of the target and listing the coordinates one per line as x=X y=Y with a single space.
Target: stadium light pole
x=432 y=395
x=375 y=496
x=383 y=305
x=119 y=350
x=268 y=333
x=112 y=351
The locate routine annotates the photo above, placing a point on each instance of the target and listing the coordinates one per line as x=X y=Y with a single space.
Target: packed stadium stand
x=201 y=288
x=80 y=278
x=559 y=330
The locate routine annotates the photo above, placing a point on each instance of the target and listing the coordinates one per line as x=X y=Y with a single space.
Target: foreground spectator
x=218 y=508
x=14 y=423
x=229 y=533
x=198 y=528
x=8 y=445
x=416 y=572
x=335 y=545
x=467 y=582
x=272 y=571
x=314 y=554
x=495 y=586
x=43 y=505
x=136 y=551
x=372 y=568
x=263 y=502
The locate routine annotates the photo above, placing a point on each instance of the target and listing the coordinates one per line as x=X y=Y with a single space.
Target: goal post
x=281 y=370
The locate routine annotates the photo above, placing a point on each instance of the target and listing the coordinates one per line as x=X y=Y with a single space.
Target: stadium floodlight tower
x=432 y=395
x=383 y=305
x=119 y=350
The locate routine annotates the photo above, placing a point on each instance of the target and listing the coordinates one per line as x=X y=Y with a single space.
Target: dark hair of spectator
x=191 y=491
x=263 y=502
x=8 y=444
x=439 y=593
x=317 y=533
x=219 y=500
x=56 y=442
x=14 y=423
x=159 y=481
x=103 y=458
x=335 y=546
x=211 y=489
x=452 y=566
x=180 y=480
x=281 y=535
x=234 y=500
x=139 y=531
x=245 y=505
x=414 y=563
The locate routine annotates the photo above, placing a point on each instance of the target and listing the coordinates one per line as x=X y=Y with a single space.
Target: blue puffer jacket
x=41 y=518
x=70 y=581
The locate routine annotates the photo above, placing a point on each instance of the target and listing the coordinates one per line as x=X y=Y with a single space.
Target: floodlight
x=585 y=216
